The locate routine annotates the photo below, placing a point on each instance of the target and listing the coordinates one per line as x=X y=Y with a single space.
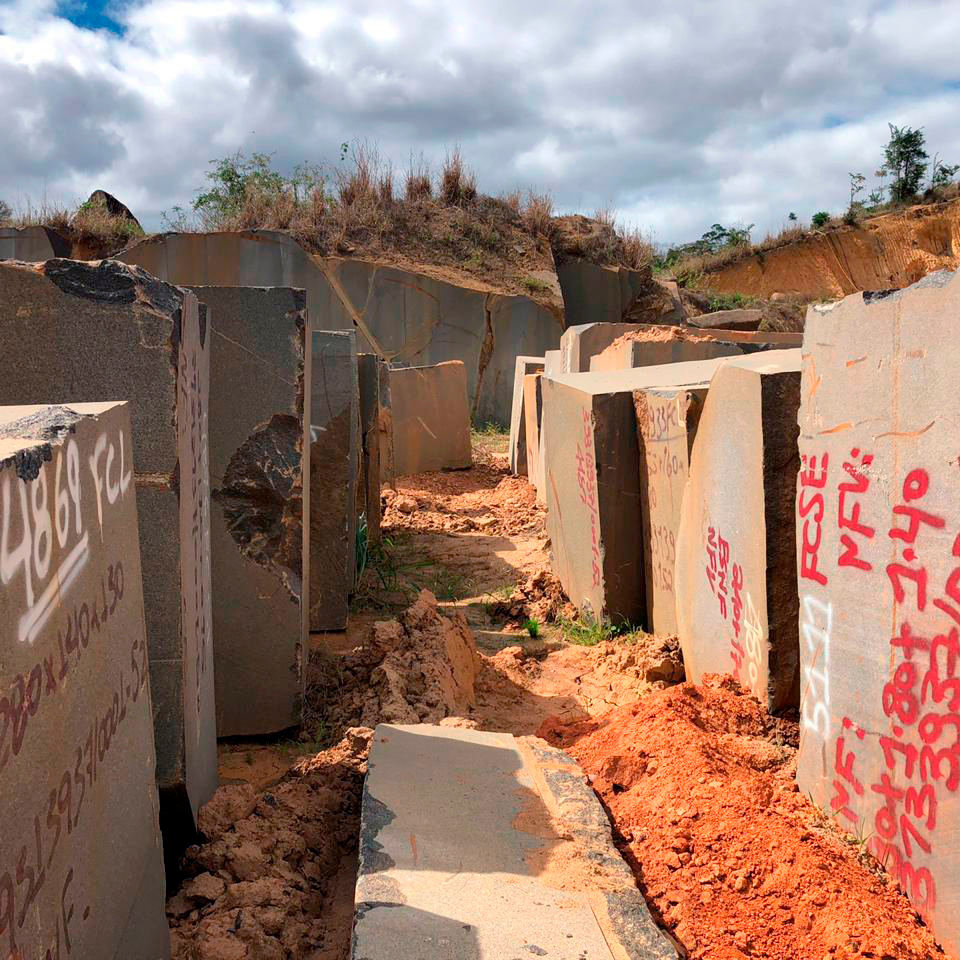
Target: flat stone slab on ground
x=462 y=837
x=258 y=458
x=736 y=572
x=518 y=432
x=81 y=862
x=334 y=469
x=744 y=319
x=591 y=478
x=431 y=418
x=877 y=547
x=74 y=331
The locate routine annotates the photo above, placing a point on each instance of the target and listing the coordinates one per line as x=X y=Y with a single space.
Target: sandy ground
x=697 y=781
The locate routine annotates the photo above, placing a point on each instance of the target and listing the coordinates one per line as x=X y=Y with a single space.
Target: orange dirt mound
x=699 y=782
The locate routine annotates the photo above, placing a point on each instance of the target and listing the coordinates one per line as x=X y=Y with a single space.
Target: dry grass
x=458 y=186
x=88 y=227
x=538 y=214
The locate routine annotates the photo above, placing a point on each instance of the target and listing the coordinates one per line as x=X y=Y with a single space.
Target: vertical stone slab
x=431 y=418
x=585 y=340
x=81 y=862
x=75 y=331
x=385 y=422
x=735 y=573
x=518 y=431
x=31 y=244
x=532 y=418
x=667 y=421
x=651 y=353
x=258 y=459
x=878 y=518
x=334 y=461
x=368 y=490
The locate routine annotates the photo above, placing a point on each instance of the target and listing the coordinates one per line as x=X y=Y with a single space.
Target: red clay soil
x=733 y=860
x=484 y=498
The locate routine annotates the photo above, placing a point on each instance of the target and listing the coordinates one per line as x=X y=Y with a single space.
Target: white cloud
x=676 y=116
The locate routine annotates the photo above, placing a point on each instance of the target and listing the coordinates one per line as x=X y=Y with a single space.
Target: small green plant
x=535 y=285
x=586 y=630
x=532 y=626
x=730 y=301
x=820 y=219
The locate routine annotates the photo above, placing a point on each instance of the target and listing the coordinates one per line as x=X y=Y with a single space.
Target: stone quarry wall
x=31 y=244
x=76 y=722
x=878 y=559
x=890 y=251
x=258 y=457
x=73 y=331
x=398 y=314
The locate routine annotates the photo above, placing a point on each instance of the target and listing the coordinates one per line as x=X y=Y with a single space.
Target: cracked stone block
x=334 y=467
x=593 y=290
x=258 y=459
x=532 y=420
x=736 y=575
x=76 y=721
x=641 y=353
x=400 y=315
x=667 y=419
x=651 y=353
x=368 y=487
x=877 y=550
x=591 y=479
x=744 y=319
x=431 y=418
x=72 y=331
x=518 y=427
x=31 y=244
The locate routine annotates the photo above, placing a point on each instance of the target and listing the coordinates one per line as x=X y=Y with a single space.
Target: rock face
x=890 y=251
x=31 y=244
x=598 y=294
x=334 y=466
x=75 y=331
x=518 y=429
x=76 y=723
x=667 y=419
x=440 y=321
x=431 y=420
x=258 y=458
x=591 y=464
x=728 y=320
x=877 y=547
x=735 y=572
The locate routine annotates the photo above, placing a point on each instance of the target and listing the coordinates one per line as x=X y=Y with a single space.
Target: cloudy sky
x=675 y=115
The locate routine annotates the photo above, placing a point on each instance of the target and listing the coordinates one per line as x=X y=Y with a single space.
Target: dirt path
x=698 y=781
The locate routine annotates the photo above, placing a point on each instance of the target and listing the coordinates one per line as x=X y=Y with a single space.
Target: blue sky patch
x=91 y=14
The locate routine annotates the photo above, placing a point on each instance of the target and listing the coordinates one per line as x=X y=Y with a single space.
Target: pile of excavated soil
x=540 y=597
x=662 y=334
x=518 y=690
x=418 y=668
x=274 y=878
x=483 y=499
x=733 y=860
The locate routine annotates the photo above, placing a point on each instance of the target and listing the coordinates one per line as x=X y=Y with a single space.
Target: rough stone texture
x=581 y=342
x=633 y=349
x=74 y=331
x=385 y=421
x=652 y=353
x=368 y=487
x=877 y=547
x=552 y=362
x=431 y=419
x=74 y=679
x=398 y=314
x=594 y=293
x=31 y=244
x=736 y=576
x=666 y=426
x=728 y=320
x=334 y=466
x=592 y=483
x=532 y=420
x=257 y=465
x=658 y=302
x=460 y=833
x=518 y=430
